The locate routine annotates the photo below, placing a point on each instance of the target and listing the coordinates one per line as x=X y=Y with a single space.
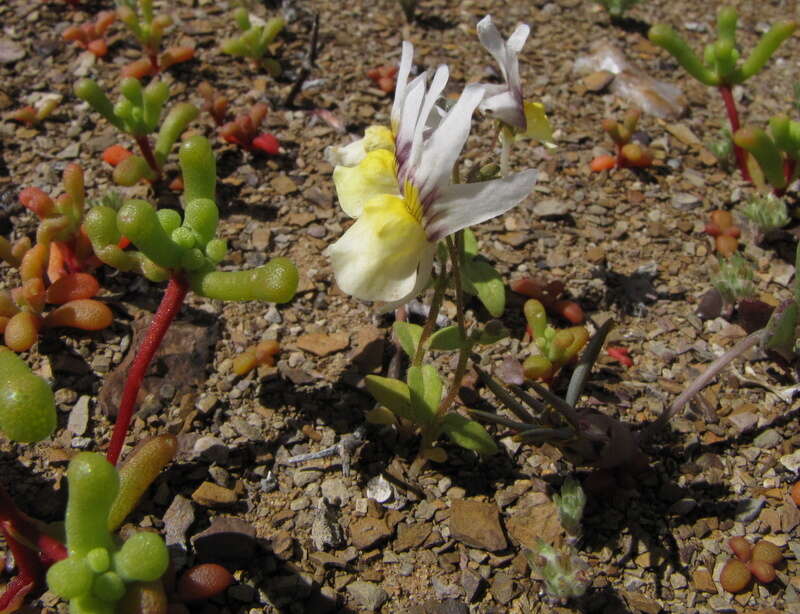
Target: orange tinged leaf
x=115 y=154
x=603 y=163
x=726 y=245
x=98 y=47
x=22 y=331
x=85 y=314
x=71 y=287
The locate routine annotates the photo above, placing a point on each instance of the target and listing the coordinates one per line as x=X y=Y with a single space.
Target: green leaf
x=448 y=339
x=468 y=434
x=470 y=244
x=481 y=279
x=393 y=394
x=425 y=389
x=408 y=335
x=784 y=331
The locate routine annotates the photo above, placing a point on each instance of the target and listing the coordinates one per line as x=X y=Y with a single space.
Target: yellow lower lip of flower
x=538 y=125
x=373 y=176
x=377 y=258
x=378 y=137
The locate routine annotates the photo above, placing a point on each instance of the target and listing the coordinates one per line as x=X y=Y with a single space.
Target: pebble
x=79 y=416
x=747 y=510
x=551 y=207
x=213 y=495
x=227 y=538
x=320 y=344
x=768 y=439
x=368 y=595
x=366 y=533
x=477 y=524
x=503 y=587
x=791 y=461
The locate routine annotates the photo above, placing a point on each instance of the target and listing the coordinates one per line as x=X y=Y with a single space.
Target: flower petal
x=504 y=107
x=508 y=110
x=445 y=144
x=464 y=204
x=375 y=137
x=373 y=176
x=423 y=277
x=378 y=257
x=406 y=60
x=435 y=90
x=539 y=127
x=516 y=41
x=404 y=133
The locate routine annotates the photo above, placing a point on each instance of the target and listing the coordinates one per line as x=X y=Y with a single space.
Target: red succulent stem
x=167 y=310
x=789 y=166
x=733 y=118
x=152 y=55
x=147 y=152
x=31 y=548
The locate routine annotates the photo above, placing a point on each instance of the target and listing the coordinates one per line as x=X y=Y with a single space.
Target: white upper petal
x=409 y=115
x=406 y=60
x=442 y=149
x=431 y=96
x=464 y=204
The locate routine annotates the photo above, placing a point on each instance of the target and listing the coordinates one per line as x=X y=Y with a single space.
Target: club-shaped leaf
x=784 y=331
x=505 y=397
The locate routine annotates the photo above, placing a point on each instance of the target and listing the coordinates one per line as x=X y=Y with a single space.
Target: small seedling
x=243 y=131
x=629 y=153
x=556 y=348
x=726 y=234
x=34 y=115
x=768 y=212
x=757 y=562
x=137 y=113
x=384 y=77
x=735 y=279
x=260 y=354
x=255 y=40
x=214 y=103
x=566 y=575
x=149 y=29
x=720 y=66
x=550 y=295
x=777 y=153
x=570 y=504
x=54 y=271
x=91 y=35
x=617 y=8
x=722 y=149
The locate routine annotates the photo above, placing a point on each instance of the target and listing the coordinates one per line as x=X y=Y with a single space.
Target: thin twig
x=308 y=64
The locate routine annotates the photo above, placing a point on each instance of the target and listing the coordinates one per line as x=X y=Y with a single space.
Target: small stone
x=411 y=536
x=260 y=237
x=10 y=51
x=551 y=207
x=322 y=345
x=79 y=416
x=598 y=81
x=768 y=439
x=683 y=134
x=366 y=533
x=791 y=461
x=744 y=421
x=213 y=495
x=702 y=580
x=326 y=532
x=747 y=509
x=211 y=448
x=304 y=477
x=283 y=185
x=177 y=520
x=368 y=595
x=227 y=538
x=503 y=588
x=472 y=583
x=477 y=524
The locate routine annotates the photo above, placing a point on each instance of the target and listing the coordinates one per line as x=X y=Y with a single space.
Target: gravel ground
x=629 y=245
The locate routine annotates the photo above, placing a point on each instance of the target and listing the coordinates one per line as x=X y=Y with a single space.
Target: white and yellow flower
x=400 y=190
x=505 y=102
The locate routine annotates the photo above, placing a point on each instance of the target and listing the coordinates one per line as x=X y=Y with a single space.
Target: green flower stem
x=167 y=310
x=506 y=139
x=427 y=330
x=733 y=118
x=455 y=249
